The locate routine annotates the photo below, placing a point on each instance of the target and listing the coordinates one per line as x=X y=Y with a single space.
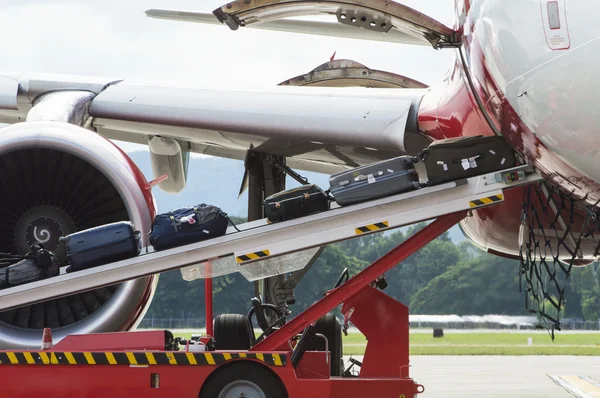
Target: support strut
x=208 y=299
x=264 y=179
x=208 y=292
x=279 y=339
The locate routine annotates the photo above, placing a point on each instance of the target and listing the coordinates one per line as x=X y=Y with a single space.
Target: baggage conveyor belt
x=258 y=242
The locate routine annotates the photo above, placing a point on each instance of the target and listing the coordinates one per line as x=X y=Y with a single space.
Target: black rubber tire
x=330 y=327
x=270 y=384
x=231 y=332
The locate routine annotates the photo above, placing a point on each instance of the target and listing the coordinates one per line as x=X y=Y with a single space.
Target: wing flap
x=374 y=118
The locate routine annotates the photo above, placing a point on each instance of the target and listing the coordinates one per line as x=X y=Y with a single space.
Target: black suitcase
x=296 y=202
x=38 y=264
x=455 y=158
x=188 y=225
x=376 y=180
x=102 y=245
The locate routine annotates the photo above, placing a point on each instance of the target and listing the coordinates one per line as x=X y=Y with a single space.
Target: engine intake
x=56 y=179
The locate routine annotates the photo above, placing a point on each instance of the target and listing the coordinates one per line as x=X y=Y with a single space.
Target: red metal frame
x=279 y=339
x=208 y=299
x=384 y=371
x=208 y=310
x=384 y=322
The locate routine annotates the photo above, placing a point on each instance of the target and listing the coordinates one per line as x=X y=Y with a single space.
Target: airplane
x=523 y=71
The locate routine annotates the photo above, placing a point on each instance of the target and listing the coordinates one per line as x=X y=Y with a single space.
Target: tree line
x=442 y=278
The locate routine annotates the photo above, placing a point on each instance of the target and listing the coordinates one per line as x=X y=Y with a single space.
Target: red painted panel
x=384 y=322
x=449 y=110
x=82 y=381
x=313 y=365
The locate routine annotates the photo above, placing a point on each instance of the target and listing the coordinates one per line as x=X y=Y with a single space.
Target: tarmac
x=506 y=376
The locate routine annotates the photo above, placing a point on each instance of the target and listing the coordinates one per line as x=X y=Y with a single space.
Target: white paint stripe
x=569 y=387
x=591 y=381
x=582 y=384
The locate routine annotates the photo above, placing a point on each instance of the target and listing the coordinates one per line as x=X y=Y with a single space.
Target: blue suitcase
x=102 y=245
x=188 y=225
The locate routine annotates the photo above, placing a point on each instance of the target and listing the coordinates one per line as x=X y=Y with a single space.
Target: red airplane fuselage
x=526 y=72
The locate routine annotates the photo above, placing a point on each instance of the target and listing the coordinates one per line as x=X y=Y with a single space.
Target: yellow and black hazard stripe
x=487 y=200
x=133 y=358
x=252 y=256
x=372 y=227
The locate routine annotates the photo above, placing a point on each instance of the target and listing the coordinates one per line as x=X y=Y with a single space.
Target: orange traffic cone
x=47 y=339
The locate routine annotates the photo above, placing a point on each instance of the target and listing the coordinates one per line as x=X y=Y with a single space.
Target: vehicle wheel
x=330 y=328
x=243 y=379
x=231 y=332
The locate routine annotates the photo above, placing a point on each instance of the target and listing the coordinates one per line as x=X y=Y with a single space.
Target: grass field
x=491 y=344
x=478 y=343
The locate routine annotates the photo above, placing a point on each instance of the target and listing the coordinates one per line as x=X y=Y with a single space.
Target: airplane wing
x=324 y=121
x=377 y=20
x=321 y=128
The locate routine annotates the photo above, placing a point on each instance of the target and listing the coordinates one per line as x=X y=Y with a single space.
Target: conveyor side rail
x=271 y=240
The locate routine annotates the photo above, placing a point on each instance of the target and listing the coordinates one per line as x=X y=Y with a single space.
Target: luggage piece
x=188 y=225
x=40 y=264
x=376 y=180
x=102 y=245
x=296 y=202
x=456 y=158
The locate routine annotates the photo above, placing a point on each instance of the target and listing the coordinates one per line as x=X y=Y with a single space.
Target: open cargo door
x=380 y=16
x=376 y=20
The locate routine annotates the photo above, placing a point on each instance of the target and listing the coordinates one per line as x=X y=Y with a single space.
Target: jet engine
x=55 y=179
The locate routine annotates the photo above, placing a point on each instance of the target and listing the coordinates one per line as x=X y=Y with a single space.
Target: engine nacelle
x=55 y=179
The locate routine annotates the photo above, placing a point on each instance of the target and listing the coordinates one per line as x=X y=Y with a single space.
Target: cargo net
x=550 y=240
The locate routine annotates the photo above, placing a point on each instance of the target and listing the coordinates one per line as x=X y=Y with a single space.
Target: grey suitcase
x=376 y=180
x=26 y=271
x=38 y=264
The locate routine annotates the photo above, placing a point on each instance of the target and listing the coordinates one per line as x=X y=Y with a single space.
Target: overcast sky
x=116 y=39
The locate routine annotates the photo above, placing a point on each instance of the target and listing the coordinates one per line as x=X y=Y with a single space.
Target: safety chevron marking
x=252 y=256
x=133 y=358
x=372 y=227
x=486 y=201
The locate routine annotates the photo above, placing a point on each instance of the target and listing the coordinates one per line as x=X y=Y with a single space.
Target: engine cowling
x=55 y=179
